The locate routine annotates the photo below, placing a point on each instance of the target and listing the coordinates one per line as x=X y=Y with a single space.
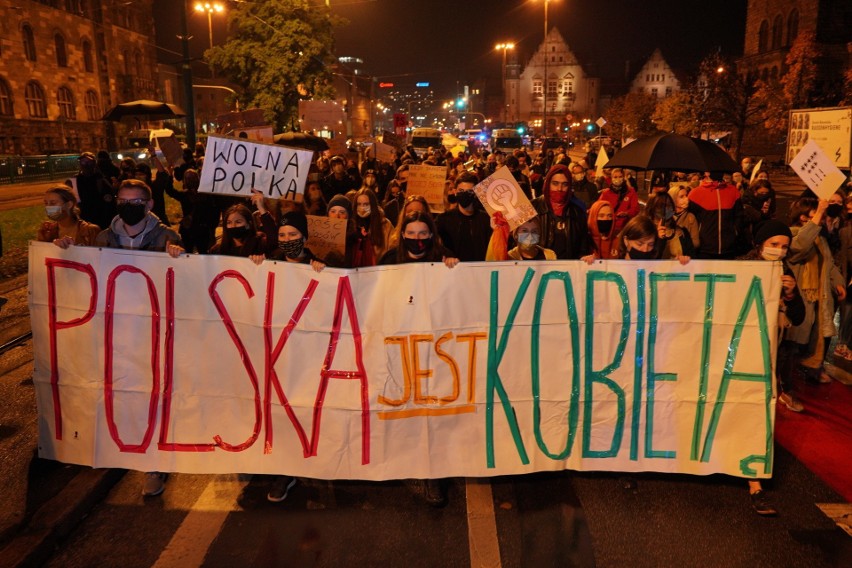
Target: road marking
x=481 y=524
x=199 y=529
x=840 y=513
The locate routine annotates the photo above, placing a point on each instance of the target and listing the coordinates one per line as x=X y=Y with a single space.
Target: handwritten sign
x=393 y=139
x=234 y=166
x=171 y=149
x=326 y=235
x=817 y=170
x=211 y=364
x=384 y=152
x=501 y=192
x=321 y=115
x=255 y=133
x=428 y=181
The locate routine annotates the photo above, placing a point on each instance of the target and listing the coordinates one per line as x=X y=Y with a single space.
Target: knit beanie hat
x=341 y=200
x=769 y=229
x=297 y=220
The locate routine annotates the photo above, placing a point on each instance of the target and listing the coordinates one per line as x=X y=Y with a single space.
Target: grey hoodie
x=154 y=236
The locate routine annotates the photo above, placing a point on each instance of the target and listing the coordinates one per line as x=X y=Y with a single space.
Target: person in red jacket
x=719 y=211
x=622 y=198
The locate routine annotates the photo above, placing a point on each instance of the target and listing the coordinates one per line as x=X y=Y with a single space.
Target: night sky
x=445 y=41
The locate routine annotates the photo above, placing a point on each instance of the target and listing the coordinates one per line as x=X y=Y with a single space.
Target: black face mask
x=417 y=246
x=451 y=198
x=641 y=255
x=131 y=214
x=834 y=210
x=292 y=249
x=604 y=227
x=465 y=198
x=239 y=232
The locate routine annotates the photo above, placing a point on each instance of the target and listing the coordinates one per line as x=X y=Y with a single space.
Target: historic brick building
x=772 y=26
x=570 y=91
x=656 y=77
x=62 y=63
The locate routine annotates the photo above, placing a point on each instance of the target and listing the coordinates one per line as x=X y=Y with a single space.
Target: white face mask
x=772 y=253
x=528 y=239
x=363 y=210
x=53 y=211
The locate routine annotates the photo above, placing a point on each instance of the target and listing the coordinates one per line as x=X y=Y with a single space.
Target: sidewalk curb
x=57 y=518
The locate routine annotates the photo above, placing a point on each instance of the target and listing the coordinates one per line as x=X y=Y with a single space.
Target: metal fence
x=24 y=169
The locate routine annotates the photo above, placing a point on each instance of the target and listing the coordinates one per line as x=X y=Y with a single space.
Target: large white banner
x=213 y=364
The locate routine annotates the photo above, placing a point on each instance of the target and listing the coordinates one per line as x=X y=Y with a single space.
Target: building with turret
x=553 y=76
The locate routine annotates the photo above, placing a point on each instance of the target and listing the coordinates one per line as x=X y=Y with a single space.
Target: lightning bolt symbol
x=837 y=154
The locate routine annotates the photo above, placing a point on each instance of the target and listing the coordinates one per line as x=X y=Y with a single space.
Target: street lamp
x=504 y=47
x=210 y=8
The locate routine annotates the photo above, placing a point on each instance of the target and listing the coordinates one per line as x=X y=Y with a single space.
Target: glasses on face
x=137 y=201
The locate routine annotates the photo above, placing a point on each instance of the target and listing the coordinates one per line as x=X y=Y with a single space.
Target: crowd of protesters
x=581 y=214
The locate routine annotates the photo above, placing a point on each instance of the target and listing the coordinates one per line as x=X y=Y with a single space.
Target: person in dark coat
x=97 y=199
x=563 y=222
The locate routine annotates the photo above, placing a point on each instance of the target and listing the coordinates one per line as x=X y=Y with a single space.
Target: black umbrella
x=673 y=152
x=301 y=140
x=149 y=110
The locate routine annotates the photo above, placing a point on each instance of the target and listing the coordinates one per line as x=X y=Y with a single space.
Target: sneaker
x=280 y=488
x=791 y=402
x=761 y=504
x=155 y=483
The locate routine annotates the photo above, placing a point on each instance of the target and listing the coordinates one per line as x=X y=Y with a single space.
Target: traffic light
x=460 y=103
x=521 y=130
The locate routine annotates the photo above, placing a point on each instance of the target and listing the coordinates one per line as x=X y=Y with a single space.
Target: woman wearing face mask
x=60 y=206
x=292 y=236
x=622 y=198
x=315 y=203
x=819 y=281
x=419 y=242
x=528 y=237
x=682 y=216
x=772 y=241
x=639 y=240
x=412 y=204
x=372 y=230
x=240 y=237
x=602 y=229
x=674 y=242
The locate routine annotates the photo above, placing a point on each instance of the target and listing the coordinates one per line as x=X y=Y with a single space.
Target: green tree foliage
x=278 y=52
x=675 y=113
x=724 y=99
x=632 y=115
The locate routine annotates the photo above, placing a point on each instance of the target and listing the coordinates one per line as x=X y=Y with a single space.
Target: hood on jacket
x=558 y=169
x=593 y=219
x=117 y=227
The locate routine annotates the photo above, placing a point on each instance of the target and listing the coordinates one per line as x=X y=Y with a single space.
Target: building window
x=29 y=42
x=88 y=61
x=668 y=91
x=6 y=107
x=551 y=89
x=648 y=78
x=777 y=30
x=536 y=86
x=654 y=91
x=36 y=105
x=61 y=52
x=567 y=87
x=792 y=26
x=763 y=36
x=65 y=99
x=93 y=107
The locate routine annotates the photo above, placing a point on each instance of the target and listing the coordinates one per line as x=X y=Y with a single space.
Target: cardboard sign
x=255 y=134
x=171 y=149
x=234 y=166
x=601 y=161
x=326 y=235
x=501 y=192
x=321 y=115
x=384 y=152
x=212 y=364
x=428 y=181
x=337 y=145
x=393 y=139
x=754 y=171
x=831 y=128
x=817 y=170
x=231 y=121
